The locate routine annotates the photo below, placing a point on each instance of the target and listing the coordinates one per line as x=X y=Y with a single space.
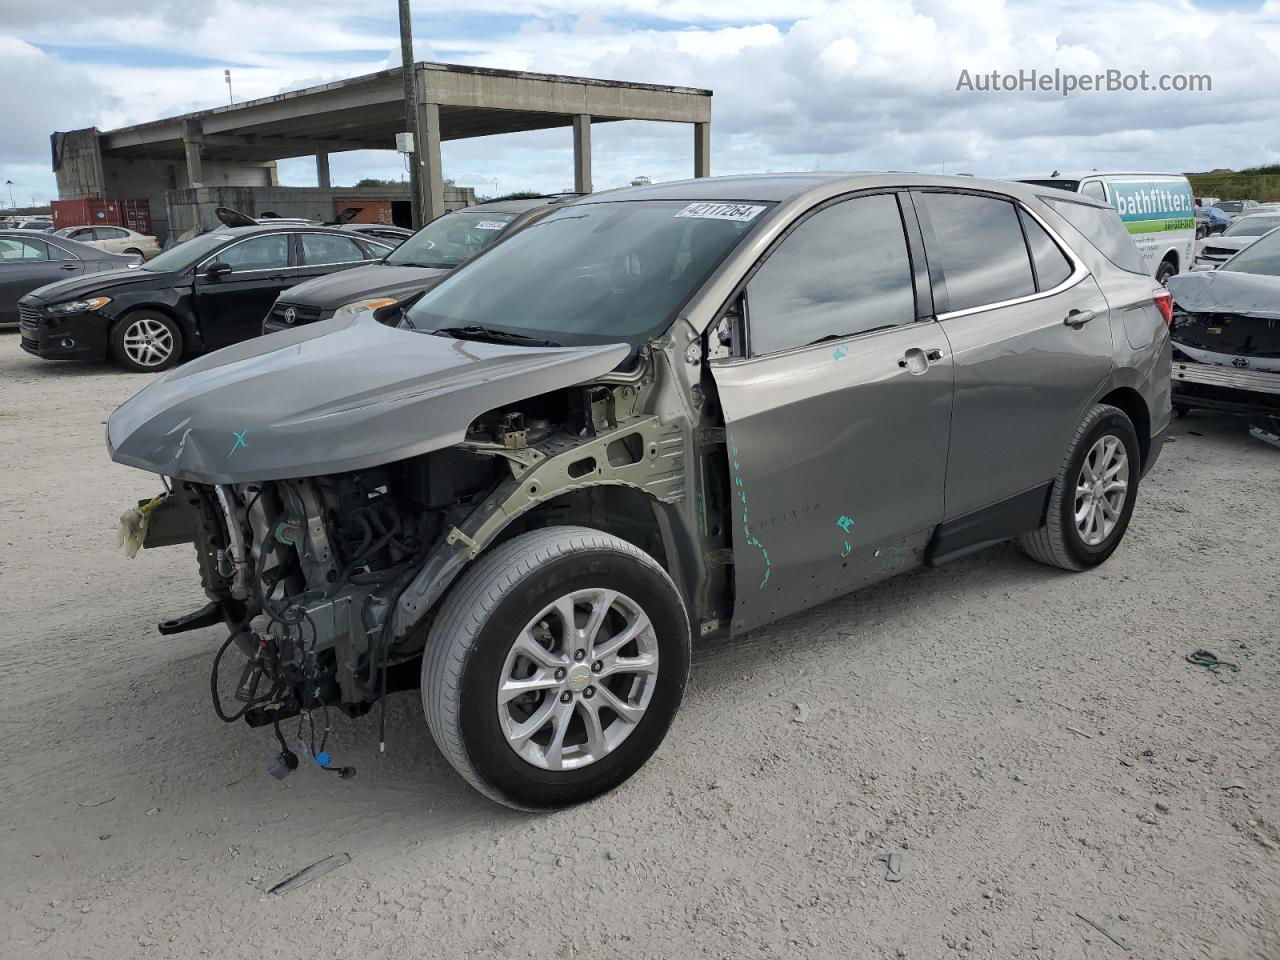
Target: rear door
x=27 y=263
x=1031 y=341
x=230 y=308
x=837 y=417
x=111 y=239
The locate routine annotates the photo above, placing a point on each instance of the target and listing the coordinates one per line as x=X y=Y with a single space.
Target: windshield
x=185 y=255
x=1261 y=256
x=446 y=241
x=1231 y=206
x=592 y=273
x=1252 y=226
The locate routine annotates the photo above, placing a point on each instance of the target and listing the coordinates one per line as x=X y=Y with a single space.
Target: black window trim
x=940 y=298
x=915 y=254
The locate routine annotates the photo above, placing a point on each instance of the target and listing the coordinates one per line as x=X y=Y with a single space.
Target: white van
x=1157 y=209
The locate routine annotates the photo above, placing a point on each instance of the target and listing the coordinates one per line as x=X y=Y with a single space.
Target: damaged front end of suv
x=327 y=530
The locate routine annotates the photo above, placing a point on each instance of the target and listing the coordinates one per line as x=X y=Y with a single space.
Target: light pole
x=411 y=111
x=12 y=202
x=226 y=75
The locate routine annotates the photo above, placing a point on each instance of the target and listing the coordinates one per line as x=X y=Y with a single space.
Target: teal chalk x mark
x=240 y=441
x=844 y=523
x=846 y=551
x=746 y=517
x=839 y=353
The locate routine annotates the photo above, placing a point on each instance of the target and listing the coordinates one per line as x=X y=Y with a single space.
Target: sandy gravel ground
x=1031 y=744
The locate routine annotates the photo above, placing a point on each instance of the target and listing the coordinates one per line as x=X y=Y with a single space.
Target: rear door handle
x=1078 y=318
x=68 y=267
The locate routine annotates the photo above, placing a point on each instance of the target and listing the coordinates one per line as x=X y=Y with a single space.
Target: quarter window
x=1094 y=189
x=979 y=246
x=320 y=248
x=259 y=253
x=1052 y=265
x=843 y=271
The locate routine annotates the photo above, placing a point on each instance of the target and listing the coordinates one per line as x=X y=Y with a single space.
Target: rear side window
x=842 y=272
x=978 y=243
x=321 y=248
x=1051 y=264
x=1102 y=227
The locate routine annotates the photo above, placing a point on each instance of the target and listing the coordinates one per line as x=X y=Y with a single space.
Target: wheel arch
x=1135 y=407
x=190 y=338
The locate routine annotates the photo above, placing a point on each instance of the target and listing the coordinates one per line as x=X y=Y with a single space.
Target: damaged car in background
x=1226 y=337
x=678 y=410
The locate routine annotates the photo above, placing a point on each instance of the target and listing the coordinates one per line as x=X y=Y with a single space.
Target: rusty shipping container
x=96 y=211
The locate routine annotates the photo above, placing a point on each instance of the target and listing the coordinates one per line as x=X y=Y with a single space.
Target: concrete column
x=322 y=169
x=193 y=143
x=582 y=153
x=427 y=153
x=702 y=149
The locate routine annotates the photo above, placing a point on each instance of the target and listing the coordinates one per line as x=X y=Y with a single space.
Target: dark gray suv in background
x=679 y=410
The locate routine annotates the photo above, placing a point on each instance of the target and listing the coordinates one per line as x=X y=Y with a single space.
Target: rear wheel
x=1167 y=270
x=555 y=667
x=1093 y=494
x=133 y=251
x=146 y=342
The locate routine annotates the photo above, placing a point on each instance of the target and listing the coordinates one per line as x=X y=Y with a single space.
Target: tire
x=1060 y=542
x=1166 y=271
x=135 y=252
x=472 y=649
x=1181 y=411
x=146 y=342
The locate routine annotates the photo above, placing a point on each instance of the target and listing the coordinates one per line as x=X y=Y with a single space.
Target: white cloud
x=798 y=84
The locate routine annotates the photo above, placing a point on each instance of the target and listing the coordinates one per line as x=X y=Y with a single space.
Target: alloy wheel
x=578 y=679
x=148 y=342
x=1101 y=488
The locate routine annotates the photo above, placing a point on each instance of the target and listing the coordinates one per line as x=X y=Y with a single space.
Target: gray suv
x=660 y=413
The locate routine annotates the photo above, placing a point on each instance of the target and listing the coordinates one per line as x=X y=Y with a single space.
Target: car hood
x=1227 y=243
x=358 y=283
x=333 y=396
x=1227 y=291
x=100 y=282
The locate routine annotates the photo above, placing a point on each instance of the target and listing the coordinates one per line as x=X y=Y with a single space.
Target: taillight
x=1164 y=300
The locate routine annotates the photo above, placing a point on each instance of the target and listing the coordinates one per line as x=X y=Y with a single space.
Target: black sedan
x=206 y=293
x=29 y=260
x=419 y=263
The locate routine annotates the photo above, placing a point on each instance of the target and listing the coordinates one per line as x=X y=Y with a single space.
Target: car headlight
x=79 y=306
x=347 y=309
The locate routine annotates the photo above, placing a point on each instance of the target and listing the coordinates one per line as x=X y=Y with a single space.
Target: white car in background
x=1215 y=251
x=1157 y=210
x=113 y=239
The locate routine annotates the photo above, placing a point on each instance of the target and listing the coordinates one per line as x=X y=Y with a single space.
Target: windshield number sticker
x=742 y=212
x=490 y=225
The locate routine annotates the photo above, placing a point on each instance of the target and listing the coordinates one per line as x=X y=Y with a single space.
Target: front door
x=837 y=419
x=1031 y=340
x=231 y=307
x=27 y=263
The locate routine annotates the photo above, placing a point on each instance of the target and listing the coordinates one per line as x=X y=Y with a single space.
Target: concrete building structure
x=237 y=146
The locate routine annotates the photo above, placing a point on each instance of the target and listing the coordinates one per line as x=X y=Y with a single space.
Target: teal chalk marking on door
x=839 y=353
x=844 y=523
x=746 y=518
x=240 y=441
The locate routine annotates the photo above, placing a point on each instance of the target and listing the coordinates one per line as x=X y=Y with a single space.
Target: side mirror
x=217 y=269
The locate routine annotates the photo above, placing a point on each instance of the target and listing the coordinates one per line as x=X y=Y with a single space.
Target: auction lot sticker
x=721 y=211
x=490 y=225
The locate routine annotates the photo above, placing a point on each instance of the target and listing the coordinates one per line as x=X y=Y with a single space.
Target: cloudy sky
x=799 y=84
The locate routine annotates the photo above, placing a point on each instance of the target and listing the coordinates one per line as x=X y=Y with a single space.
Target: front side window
x=320 y=248
x=843 y=271
x=14 y=250
x=258 y=253
x=590 y=273
x=979 y=246
x=448 y=240
x=1094 y=190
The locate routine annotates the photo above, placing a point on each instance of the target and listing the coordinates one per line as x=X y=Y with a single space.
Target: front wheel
x=146 y=342
x=1093 y=495
x=555 y=667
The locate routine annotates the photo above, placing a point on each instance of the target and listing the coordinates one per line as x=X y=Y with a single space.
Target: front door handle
x=1078 y=318
x=916 y=361
x=69 y=267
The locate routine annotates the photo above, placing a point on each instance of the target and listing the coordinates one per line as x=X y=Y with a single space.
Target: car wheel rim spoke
x=577 y=679
x=148 y=343
x=1101 y=489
